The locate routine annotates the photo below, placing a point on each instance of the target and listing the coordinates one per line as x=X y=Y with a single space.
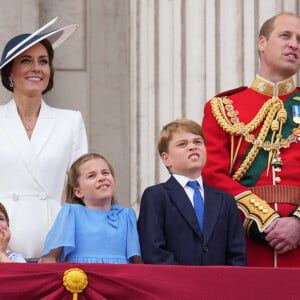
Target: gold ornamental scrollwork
x=75 y=281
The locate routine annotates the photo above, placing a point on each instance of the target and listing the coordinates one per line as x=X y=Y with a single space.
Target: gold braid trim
x=268 y=112
x=237 y=129
x=247 y=225
x=243 y=168
x=256 y=209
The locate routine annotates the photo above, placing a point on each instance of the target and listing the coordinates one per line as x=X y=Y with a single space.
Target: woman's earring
x=11 y=83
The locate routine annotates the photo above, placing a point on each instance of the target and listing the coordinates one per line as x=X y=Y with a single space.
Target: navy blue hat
x=22 y=42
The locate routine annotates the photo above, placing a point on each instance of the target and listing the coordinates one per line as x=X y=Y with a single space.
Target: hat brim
x=56 y=38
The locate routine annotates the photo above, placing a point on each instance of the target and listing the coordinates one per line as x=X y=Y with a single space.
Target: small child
x=6 y=255
x=184 y=221
x=90 y=228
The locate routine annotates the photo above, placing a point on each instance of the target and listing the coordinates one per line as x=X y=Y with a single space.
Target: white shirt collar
x=184 y=180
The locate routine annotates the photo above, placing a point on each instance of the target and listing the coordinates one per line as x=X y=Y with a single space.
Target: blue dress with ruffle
x=94 y=236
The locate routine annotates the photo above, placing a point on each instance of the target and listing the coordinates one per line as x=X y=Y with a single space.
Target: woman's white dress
x=33 y=172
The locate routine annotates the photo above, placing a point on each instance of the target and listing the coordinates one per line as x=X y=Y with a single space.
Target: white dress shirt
x=182 y=180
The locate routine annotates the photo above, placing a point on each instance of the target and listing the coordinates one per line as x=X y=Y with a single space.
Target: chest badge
x=296 y=114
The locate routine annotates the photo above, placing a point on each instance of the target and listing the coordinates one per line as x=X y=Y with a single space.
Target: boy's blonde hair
x=74 y=174
x=4 y=211
x=179 y=124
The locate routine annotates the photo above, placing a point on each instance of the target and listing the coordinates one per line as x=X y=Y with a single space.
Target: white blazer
x=33 y=172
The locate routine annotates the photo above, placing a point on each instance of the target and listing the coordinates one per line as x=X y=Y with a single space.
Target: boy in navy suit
x=184 y=221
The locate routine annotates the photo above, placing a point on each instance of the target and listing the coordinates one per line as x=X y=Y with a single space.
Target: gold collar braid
x=268 y=88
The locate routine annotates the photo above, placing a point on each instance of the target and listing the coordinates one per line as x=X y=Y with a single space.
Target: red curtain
x=105 y=281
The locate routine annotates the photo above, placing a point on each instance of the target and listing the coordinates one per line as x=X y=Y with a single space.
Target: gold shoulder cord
x=273 y=114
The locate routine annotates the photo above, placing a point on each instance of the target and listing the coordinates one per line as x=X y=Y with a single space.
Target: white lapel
x=43 y=128
x=15 y=131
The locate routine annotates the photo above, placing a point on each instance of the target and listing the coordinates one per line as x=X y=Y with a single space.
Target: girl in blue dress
x=90 y=228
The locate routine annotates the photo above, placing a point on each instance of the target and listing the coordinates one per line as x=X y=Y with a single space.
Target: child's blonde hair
x=179 y=124
x=4 y=211
x=74 y=174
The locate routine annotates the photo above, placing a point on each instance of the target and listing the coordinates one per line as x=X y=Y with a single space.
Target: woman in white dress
x=38 y=142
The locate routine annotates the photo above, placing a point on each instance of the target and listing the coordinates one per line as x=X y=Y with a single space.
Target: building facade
x=134 y=65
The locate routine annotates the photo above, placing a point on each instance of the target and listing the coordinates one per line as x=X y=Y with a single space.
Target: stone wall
x=134 y=65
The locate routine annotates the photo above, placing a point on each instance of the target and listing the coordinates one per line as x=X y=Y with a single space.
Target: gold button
x=256 y=204
x=277 y=179
x=277 y=169
x=265 y=211
x=252 y=200
x=260 y=207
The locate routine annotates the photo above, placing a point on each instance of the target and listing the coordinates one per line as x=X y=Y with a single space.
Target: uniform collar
x=268 y=88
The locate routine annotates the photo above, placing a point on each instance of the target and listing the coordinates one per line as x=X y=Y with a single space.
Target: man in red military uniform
x=253 y=147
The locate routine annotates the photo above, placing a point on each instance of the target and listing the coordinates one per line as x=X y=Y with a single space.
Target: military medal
x=296 y=114
x=277 y=162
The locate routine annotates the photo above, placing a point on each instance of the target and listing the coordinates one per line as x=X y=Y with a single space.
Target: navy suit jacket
x=170 y=234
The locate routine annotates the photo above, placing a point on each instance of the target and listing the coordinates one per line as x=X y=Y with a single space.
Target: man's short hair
x=268 y=25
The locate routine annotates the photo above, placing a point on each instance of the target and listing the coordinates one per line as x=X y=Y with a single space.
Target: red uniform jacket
x=232 y=123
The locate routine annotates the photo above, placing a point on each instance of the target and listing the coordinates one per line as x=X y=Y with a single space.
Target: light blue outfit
x=94 y=236
x=15 y=257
